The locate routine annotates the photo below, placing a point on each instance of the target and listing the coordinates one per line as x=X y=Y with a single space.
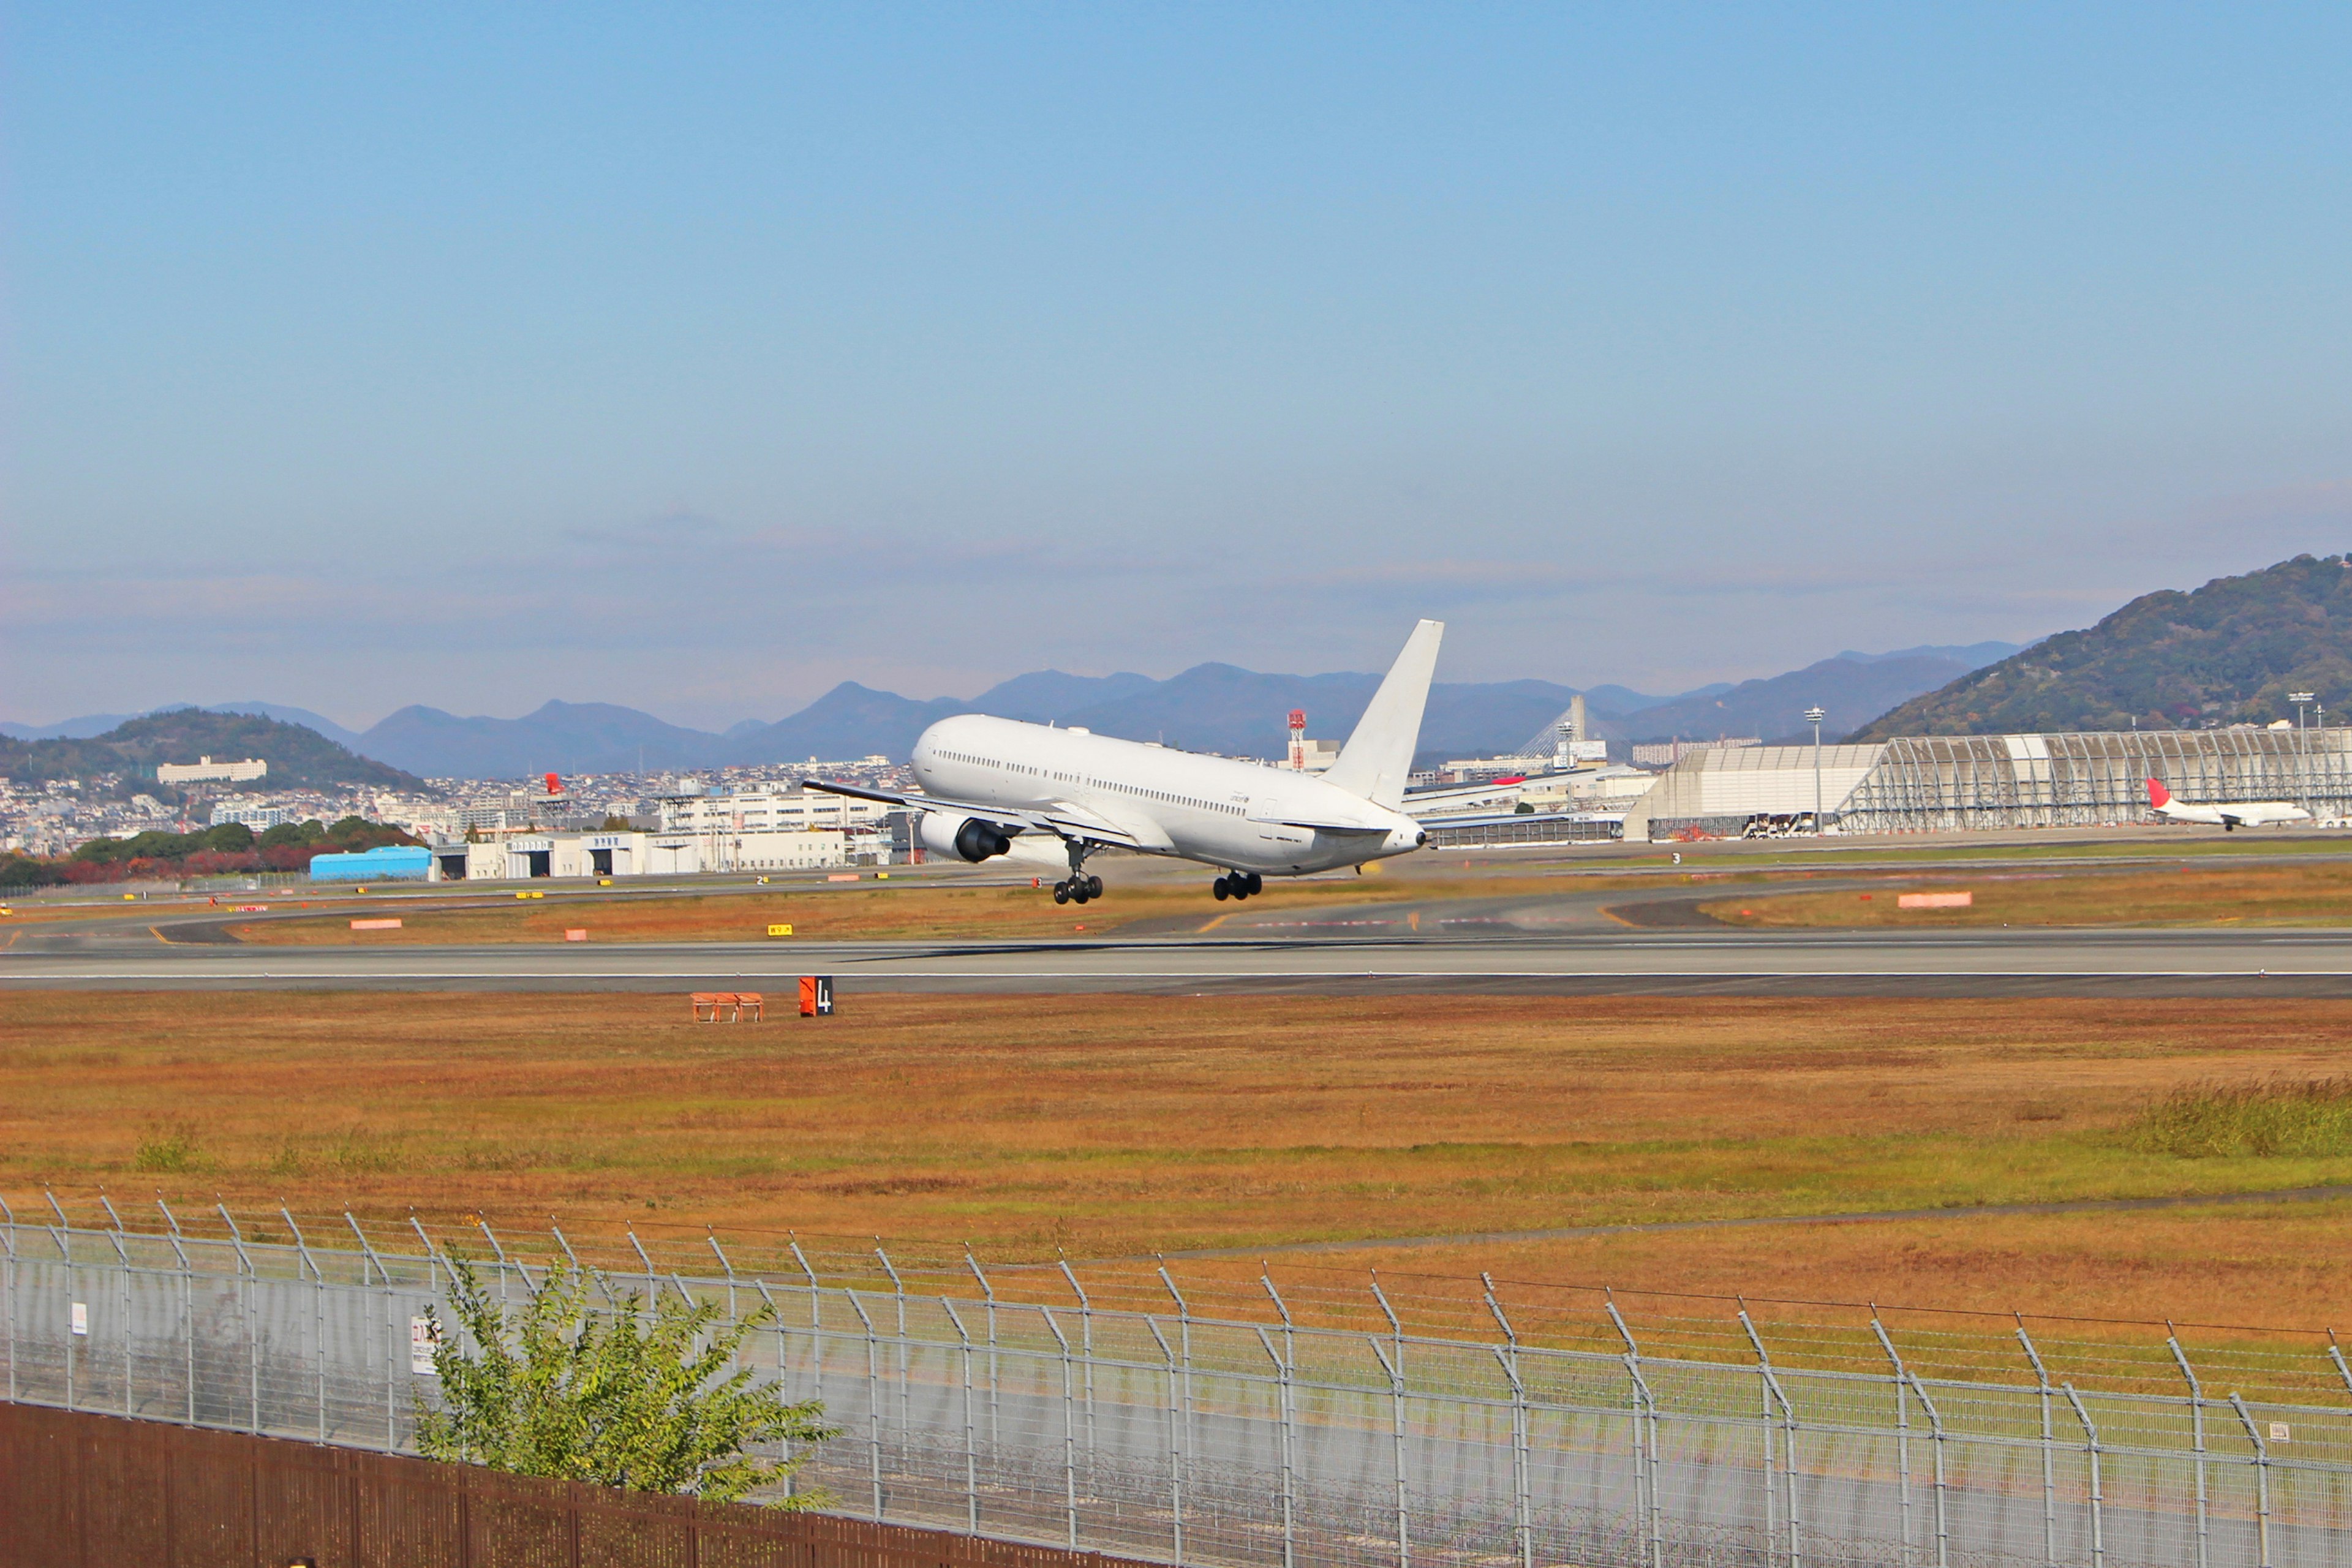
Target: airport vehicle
x=990 y=782
x=2228 y=815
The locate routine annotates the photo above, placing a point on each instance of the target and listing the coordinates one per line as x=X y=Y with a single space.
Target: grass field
x=2285 y=893
x=1114 y=1126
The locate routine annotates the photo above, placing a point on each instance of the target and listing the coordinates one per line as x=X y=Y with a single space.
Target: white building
x=769 y=807
x=258 y=817
x=206 y=771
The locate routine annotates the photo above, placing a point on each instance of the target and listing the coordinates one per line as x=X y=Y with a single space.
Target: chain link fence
x=1187 y=1430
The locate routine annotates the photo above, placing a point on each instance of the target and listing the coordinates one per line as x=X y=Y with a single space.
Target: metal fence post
x=62 y=1234
x=187 y=1315
x=251 y=1281
x=1282 y=1406
x=1086 y=1348
x=2337 y=1355
x=898 y=1294
x=1175 y=1447
x=2197 y=1426
x=1396 y=1394
x=432 y=1256
x=1184 y=1346
x=122 y=1256
x=817 y=1321
x=318 y=1312
x=391 y=1335
x=873 y=1399
x=1902 y=1429
x=2262 y=1480
x=2048 y=1449
x=1645 y=1454
x=651 y=1289
x=776 y=1321
x=995 y=1429
x=1943 y=1518
x=652 y=1286
x=1069 y=1427
x=971 y=1431
x=2098 y=1501
x=1522 y=1504
x=12 y=1291
x=1789 y=1445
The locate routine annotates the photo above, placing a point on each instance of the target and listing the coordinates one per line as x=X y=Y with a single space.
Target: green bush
x=557 y=1387
x=2275 y=1116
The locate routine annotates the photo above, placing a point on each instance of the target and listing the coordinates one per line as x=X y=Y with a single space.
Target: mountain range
x=1211 y=708
x=2230 y=652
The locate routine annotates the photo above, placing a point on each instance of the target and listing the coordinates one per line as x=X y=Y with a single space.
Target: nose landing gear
x=1237 y=885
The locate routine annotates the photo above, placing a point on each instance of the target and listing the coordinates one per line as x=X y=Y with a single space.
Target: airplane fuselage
x=1215 y=810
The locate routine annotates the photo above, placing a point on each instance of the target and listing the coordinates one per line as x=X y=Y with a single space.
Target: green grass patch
x=2270 y=1117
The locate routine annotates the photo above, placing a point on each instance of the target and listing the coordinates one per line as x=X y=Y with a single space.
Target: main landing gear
x=1237 y=885
x=1079 y=887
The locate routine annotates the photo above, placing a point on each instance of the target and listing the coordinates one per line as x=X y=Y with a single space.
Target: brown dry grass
x=1117 y=1125
x=2278 y=894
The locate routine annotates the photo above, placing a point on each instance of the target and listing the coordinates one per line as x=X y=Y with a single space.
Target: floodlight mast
x=1814 y=716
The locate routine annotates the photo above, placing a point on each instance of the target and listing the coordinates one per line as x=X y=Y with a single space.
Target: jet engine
x=967 y=837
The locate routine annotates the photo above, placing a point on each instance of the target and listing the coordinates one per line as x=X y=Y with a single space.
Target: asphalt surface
x=1564 y=943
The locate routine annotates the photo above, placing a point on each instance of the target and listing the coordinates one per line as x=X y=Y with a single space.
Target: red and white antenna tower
x=1298 y=740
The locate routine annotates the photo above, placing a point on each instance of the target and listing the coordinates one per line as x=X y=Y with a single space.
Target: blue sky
x=699 y=358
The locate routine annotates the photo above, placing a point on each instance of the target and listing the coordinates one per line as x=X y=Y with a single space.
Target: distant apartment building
x=260 y=819
x=769 y=808
x=206 y=771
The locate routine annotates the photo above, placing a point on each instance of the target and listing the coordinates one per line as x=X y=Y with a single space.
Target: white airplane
x=2228 y=816
x=989 y=783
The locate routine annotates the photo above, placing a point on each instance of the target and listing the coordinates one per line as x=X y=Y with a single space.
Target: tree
x=558 y=1388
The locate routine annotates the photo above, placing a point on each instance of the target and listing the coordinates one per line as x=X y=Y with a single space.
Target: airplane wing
x=1062 y=819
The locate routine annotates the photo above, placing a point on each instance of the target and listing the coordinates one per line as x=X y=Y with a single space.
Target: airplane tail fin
x=1379 y=754
x=2158 y=795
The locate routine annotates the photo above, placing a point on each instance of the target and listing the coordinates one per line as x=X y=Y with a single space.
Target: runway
x=1570 y=961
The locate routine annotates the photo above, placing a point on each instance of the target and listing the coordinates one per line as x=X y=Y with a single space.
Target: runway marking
x=1877 y=1216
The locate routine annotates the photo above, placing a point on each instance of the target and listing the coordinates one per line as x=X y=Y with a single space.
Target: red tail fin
x=554 y=784
x=2158 y=795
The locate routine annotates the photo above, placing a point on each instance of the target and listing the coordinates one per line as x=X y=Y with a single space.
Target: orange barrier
x=734 y=1003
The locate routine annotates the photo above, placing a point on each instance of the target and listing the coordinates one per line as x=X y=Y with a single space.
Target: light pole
x=2302 y=746
x=1814 y=716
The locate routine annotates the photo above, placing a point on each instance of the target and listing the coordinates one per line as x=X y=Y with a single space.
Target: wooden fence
x=80 y=1490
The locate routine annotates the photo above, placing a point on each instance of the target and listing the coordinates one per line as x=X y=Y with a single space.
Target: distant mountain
x=850 y=720
x=1209 y=708
x=1046 y=696
x=2229 y=652
x=1974 y=655
x=81 y=728
x=296 y=757
x=1774 y=708
x=349 y=739
x=560 y=737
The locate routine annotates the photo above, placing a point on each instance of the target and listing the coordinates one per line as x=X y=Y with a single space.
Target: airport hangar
x=1955 y=783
